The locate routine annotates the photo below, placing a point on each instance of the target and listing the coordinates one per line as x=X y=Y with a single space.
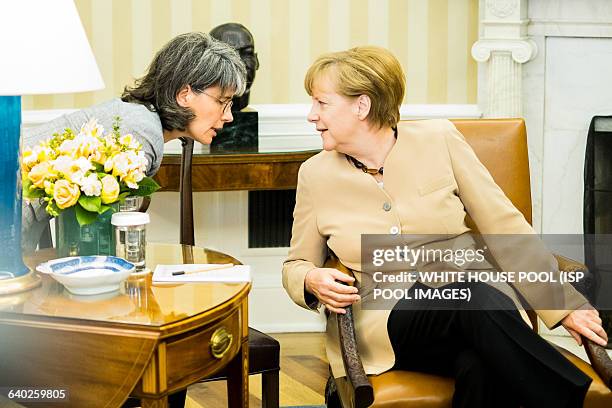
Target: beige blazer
x=432 y=180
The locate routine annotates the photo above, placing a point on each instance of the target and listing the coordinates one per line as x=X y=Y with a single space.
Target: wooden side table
x=147 y=341
x=237 y=171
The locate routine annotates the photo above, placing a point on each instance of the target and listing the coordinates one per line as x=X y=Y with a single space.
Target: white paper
x=237 y=273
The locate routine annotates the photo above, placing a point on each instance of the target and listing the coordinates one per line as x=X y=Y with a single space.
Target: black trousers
x=494 y=356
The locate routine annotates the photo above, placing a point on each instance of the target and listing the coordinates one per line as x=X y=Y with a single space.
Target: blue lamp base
x=13 y=272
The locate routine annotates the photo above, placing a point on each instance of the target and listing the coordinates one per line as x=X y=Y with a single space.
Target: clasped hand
x=334 y=295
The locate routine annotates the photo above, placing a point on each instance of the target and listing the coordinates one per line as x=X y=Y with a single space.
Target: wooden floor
x=303 y=375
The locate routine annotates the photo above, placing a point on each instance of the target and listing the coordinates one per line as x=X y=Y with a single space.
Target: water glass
x=130 y=237
x=131 y=203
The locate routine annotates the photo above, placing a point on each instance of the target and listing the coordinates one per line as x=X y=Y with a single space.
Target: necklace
x=363 y=167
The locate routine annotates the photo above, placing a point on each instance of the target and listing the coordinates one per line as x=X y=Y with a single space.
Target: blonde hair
x=366 y=70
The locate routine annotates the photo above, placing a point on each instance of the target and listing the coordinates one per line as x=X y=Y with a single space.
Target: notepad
x=237 y=273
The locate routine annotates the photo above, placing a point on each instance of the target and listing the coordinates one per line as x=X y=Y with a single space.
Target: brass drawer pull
x=220 y=342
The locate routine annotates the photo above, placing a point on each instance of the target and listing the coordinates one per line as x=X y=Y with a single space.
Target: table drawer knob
x=220 y=342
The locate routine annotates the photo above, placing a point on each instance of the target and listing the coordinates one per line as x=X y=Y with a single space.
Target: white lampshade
x=44 y=49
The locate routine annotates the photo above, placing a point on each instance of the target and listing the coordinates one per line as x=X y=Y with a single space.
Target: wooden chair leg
x=269 y=390
x=332 y=399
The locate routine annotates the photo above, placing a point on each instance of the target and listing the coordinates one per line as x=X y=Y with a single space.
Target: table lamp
x=44 y=51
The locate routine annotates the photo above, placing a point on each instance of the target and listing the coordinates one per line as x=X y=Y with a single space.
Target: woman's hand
x=585 y=321
x=321 y=282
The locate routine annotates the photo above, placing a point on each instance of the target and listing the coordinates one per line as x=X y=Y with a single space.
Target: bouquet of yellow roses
x=90 y=170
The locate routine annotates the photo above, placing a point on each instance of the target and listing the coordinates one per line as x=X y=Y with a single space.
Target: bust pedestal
x=238 y=136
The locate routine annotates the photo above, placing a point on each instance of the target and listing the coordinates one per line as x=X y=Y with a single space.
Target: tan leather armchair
x=501 y=145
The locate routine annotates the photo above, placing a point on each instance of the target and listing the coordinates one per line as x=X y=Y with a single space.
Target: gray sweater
x=135 y=119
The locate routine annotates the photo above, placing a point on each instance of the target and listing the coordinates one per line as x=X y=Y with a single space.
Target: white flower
x=108 y=165
x=38 y=154
x=133 y=178
x=86 y=145
x=76 y=177
x=63 y=164
x=83 y=164
x=98 y=156
x=129 y=141
x=72 y=170
x=91 y=186
x=79 y=168
x=111 y=144
x=121 y=164
x=143 y=162
x=92 y=128
x=68 y=147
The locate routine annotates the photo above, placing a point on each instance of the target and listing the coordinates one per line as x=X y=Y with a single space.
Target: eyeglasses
x=225 y=105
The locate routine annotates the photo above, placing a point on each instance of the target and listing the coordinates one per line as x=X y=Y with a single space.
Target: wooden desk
x=226 y=172
x=147 y=341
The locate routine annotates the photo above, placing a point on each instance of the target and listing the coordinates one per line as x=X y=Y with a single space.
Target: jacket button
x=394 y=230
x=386 y=206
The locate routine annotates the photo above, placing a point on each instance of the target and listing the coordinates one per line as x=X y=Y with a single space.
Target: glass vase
x=97 y=238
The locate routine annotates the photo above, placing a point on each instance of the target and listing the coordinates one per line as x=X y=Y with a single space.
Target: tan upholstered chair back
x=501 y=145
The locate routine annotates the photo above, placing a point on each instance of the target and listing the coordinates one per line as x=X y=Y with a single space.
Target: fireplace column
x=504 y=47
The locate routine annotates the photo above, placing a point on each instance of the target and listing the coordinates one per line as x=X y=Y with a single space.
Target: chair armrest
x=146 y=202
x=360 y=388
x=599 y=358
x=363 y=393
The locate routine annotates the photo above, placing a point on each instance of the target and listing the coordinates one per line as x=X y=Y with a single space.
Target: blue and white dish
x=88 y=275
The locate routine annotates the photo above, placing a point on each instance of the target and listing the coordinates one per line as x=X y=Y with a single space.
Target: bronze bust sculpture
x=239 y=37
x=241 y=135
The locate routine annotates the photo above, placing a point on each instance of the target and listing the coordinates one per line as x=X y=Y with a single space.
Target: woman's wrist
x=307 y=282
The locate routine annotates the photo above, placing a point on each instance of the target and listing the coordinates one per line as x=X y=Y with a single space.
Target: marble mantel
x=563 y=87
x=546 y=60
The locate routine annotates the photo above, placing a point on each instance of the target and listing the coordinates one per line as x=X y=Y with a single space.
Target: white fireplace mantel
x=567 y=83
x=539 y=59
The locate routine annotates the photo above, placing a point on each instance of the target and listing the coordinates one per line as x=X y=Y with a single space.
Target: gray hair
x=195 y=59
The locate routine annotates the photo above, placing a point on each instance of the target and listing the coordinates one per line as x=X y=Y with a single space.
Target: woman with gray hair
x=186 y=91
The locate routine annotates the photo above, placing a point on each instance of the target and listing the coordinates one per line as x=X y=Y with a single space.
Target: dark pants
x=494 y=356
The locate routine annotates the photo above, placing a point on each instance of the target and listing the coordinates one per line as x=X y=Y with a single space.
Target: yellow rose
x=65 y=194
x=110 y=189
x=39 y=172
x=28 y=160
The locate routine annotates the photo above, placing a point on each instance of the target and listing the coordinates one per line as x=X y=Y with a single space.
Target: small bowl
x=88 y=275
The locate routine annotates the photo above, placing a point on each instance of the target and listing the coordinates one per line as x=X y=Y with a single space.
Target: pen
x=210 y=268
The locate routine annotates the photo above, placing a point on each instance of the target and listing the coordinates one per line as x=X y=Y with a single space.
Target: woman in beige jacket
x=376 y=176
